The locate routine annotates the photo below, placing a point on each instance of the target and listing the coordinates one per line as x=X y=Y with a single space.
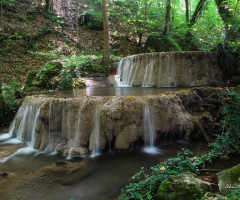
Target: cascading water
x=49 y=128
x=149 y=131
x=169 y=69
x=23 y=127
x=76 y=134
x=95 y=133
x=27 y=118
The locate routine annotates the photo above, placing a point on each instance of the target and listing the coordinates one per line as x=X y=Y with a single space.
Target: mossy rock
x=31 y=84
x=237 y=89
x=161 y=43
x=229 y=179
x=80 y=83
x=211 y=196
x=30 y=79
x=47 y=76
x=185 y=186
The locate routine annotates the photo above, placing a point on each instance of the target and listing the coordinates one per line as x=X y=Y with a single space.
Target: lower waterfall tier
x=73 y=127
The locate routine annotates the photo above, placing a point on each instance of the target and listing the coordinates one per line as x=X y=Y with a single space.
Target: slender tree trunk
x=187 y=10
x=49 y=6
x=77 y=24
x=197 y=12
x=191 y=22
x=106 y=49
x=236 y=7
x=167 y=18
x=2 y=25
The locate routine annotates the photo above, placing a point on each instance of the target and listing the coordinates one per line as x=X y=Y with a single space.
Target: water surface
x=112 y=171
x=111 y=91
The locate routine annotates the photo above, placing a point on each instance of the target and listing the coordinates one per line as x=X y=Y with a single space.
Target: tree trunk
x=235 y=10
x=106 y=49
x=228 y=19
x=2 y=16
x=197 y=12
x=167 y=18
x=49 y=6
x=187 y=10
x=191 y=22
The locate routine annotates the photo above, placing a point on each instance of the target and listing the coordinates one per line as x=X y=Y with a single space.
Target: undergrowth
x=145 y=185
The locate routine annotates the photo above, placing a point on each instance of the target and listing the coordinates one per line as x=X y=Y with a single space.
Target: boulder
x=185 y=186
x=229 y=179
x=211 y=196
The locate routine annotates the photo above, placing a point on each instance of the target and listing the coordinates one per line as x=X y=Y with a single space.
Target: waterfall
x=25 y=123
x=76 y=134
x=49 y=127
x=169 y=69
x=149 y=130
x=95 y=133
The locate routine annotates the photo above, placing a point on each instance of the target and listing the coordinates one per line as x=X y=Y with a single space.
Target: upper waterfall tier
x=170 y=69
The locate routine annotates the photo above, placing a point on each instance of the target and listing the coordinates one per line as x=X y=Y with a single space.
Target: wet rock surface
x=193 y=68
x=76 y=126
x=185 y=186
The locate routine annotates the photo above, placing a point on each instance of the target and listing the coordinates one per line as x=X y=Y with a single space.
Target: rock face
x=229 y=179
x=73 y=127
x=185 y=186
x=170 y=69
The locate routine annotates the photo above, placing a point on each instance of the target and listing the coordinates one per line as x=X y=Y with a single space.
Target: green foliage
x=229 y=139
x=237 y=89
x=148 y=184
x=234 y=195
x=66 y=81
x=10 y=3
x=8 y=105
x=54 y=76
x=47 y=74
x=161 y=43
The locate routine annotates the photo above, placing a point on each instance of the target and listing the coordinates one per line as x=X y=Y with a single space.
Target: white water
x=5 y=136
x=26 y=118
x=149 y=131
x=76 y=135
x=26 y=130
x=167 y=69
x=22 y=151
x=96 y=150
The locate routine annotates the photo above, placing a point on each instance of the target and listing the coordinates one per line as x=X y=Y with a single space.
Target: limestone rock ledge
x=76 y=126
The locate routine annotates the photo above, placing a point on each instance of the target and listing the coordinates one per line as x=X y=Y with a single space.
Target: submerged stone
x=67 y=173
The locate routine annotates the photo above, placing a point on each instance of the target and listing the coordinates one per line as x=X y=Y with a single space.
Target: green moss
x=235 y=173
x=184 y=186
x=30 y=79
x=162 y=189
x=237 y=89
x=61 y=163
x=79 y=83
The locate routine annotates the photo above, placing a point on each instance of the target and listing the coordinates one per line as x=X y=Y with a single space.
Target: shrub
x=8 y=104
